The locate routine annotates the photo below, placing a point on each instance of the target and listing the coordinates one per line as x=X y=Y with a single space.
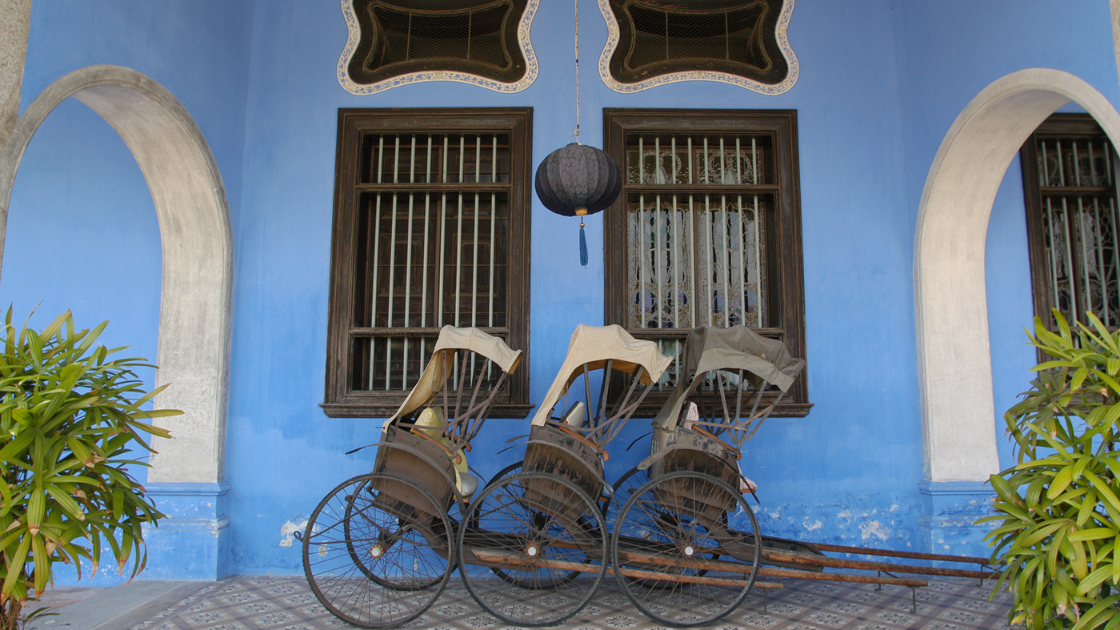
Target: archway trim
x=954 y=356
x=196 y=236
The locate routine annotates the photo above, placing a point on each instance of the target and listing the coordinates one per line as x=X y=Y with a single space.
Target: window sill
x=384 y=410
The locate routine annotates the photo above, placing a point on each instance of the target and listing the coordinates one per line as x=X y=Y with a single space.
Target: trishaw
x=686 y=546
x=533 y=548
x=377 y=551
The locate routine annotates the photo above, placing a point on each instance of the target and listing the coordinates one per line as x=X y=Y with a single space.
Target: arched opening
x=197 y=247
x=954 y=358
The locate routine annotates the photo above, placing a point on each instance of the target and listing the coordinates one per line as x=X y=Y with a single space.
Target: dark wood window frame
x=341 y=399
x=785 y=265
x=1060 y=127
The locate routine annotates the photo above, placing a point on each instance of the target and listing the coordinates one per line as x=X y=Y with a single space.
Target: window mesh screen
x=401 y=37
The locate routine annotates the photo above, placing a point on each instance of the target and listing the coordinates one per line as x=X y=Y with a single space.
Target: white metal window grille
x=696 y=208
x=1079 y=223
x=433 y=227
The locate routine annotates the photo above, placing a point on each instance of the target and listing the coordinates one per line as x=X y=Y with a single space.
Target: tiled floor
x=286 y=603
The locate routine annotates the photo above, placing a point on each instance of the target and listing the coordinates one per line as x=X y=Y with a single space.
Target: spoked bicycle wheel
x=537 y=530
x=684 y=549
x=373 y=559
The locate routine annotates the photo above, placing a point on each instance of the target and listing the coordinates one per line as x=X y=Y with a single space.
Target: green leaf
x=1096 y=533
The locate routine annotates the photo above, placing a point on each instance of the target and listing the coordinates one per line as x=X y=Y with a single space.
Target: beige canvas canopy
x=435 y=374
x=594 y=346
x=736 y=348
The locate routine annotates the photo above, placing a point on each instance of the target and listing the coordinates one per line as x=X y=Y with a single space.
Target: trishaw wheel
x=534 y=551
x=373 y=559
x=684 y=549
x=512 y=469
x=629 y=482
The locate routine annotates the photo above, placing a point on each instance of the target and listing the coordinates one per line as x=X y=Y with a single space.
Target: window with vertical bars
x=707 y=230
x=431 y=222
x=1069 y=179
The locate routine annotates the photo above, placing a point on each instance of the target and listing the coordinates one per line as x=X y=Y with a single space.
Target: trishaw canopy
x=435 y=373
x=736 y=348
x=594 y=346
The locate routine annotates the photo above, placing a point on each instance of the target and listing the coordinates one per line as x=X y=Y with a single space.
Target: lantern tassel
x=582 y=246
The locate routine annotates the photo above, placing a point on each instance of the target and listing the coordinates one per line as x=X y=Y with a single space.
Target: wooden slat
x=899 y=554
x=506 y=559
x=774 y=555
x=838 y=577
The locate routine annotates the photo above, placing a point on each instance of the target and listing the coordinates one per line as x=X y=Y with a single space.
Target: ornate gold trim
x=438 y=75
x=698 y=75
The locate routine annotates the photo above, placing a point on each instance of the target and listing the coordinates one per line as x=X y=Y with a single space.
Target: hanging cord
x=577 y=72
x=582 y=237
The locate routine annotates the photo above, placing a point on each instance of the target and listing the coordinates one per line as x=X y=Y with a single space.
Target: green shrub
x=69 y=415
x=1058 y=507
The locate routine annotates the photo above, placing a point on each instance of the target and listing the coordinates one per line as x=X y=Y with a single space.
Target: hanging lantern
x=578 y=180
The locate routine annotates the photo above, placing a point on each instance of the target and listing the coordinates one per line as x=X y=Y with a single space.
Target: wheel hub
x=689 y=551
x=377 y=551
x=532 y=549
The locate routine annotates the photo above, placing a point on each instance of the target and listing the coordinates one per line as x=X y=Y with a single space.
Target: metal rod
x=1087 y=292
x=459 y=235
x=657 y=257
x=709 y=257
x=643 y=239
x=442 y=237
x=1101 y=273
x=408 y=261
x=424 y=265
x=693 y=223
x=675 y=260
x=392 y=261
x=493 y=225
x=726 y=238
x=1051 y=252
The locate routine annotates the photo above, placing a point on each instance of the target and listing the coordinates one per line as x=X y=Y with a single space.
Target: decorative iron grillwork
x=1079 y=223
x=407 y=36
x=659 y=37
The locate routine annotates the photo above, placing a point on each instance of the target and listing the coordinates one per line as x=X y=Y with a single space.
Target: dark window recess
x=431 y=219
x=659 y=37
x=406 y=36
x=706 y=232
x=1069 y=187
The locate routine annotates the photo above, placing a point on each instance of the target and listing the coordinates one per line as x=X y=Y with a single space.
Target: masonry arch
x=197 y=244
x=954 y=358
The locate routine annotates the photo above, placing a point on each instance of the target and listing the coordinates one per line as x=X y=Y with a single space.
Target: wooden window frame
x=784 y=256
x=1059 y=125
x=340 y=399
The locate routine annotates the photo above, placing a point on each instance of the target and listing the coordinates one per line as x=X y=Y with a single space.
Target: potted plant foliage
x=70 y=415
x=1058 y=508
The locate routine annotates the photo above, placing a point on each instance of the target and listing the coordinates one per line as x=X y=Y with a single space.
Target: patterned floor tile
x=287 y=603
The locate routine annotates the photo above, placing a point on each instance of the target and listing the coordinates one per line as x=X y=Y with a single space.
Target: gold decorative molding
x=613 y=39
x=355 y=34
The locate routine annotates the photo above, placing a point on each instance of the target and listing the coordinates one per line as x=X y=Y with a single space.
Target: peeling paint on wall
x=288 y=530
x=874 y=528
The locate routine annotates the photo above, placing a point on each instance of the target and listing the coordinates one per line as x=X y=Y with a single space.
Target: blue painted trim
x=955 y=488
x=188 y=489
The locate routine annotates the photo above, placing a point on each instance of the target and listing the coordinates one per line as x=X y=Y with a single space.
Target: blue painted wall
x=880 y=84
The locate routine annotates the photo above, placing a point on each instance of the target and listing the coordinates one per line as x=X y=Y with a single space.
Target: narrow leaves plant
x=70 y=415
x=1057 y=510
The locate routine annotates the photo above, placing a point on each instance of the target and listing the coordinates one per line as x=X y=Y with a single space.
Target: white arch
x=954 y=359
x=190 y=203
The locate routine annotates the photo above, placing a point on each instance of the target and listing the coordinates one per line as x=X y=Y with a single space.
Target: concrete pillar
x=13 y=51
